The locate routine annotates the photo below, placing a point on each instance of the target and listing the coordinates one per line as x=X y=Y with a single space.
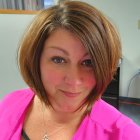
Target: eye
x=87 y=63
x=58 y=60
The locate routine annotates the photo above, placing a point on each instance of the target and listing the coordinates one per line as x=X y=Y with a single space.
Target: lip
x=70 y=94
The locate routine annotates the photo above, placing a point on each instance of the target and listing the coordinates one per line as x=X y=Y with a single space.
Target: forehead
x=62 y=39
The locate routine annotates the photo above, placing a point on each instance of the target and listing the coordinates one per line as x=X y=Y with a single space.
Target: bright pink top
x=104 y=122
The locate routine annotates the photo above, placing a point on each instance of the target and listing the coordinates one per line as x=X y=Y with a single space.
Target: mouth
x=70 y=94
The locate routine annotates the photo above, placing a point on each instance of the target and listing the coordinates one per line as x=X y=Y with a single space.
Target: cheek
x=51 y=77
x=90 y=82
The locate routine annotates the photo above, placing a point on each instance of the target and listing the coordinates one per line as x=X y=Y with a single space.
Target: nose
x=73 y=77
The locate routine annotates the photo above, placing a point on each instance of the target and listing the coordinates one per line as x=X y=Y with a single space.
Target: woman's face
x=66 y=71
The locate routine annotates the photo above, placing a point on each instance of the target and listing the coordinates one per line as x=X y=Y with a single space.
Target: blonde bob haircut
x=91 y=27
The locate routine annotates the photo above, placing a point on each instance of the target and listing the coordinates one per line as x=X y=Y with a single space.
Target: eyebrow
x=64 y=51
x=57 y=48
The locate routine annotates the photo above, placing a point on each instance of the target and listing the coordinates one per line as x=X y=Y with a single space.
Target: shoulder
x=12 y=111
x=110 y=119
x=17 y=95
x=104 y=113
x=15 y=100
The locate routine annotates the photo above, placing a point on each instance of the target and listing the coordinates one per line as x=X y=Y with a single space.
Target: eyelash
x=61 y=60
x=58 y=60
x=87 y=63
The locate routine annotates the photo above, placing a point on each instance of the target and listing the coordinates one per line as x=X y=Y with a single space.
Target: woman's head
x=89 y=25
x=67 y=76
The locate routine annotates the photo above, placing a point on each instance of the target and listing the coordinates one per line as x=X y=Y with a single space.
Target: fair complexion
x=66 y=71
x=67 y=76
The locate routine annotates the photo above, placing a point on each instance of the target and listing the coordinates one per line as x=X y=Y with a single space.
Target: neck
x=65 y=117
x=61 y=118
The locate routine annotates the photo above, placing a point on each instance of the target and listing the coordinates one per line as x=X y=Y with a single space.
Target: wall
x=11 y=30
x=124 y=14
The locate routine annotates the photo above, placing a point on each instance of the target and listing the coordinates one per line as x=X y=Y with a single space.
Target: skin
x=68 y=78
x=66 y=71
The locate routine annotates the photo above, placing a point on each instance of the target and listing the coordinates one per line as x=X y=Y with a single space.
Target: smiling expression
x=66 y=71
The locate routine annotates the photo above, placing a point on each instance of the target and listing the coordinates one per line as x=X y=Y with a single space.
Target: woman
x=68 y=56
